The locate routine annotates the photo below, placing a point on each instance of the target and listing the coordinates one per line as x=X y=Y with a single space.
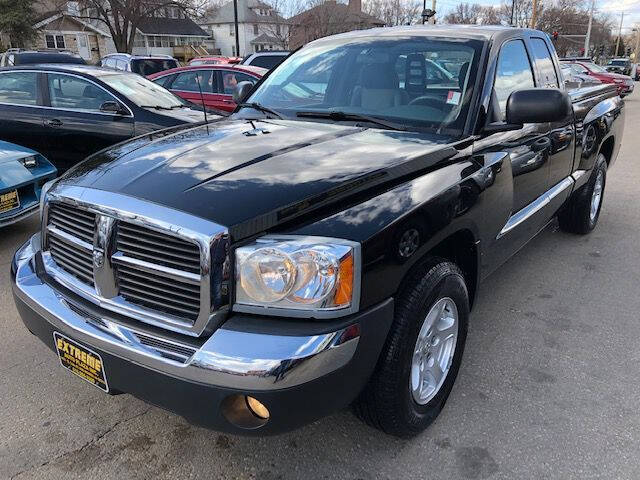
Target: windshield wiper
x=260 y=108
x=156 y=107
x=339 y=116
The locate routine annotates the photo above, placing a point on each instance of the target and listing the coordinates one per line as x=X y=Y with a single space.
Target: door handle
x=53 y=122
x=541 y=144
x=227 y=101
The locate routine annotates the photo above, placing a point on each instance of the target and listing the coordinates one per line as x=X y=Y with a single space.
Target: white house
x=259 y=28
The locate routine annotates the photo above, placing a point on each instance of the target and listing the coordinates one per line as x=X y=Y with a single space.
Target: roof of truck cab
x=478 y=32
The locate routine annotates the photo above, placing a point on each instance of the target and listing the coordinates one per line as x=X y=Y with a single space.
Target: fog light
x=257 y=408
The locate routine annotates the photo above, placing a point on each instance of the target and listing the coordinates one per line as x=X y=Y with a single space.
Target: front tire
x=421 y=357
x=582 y=212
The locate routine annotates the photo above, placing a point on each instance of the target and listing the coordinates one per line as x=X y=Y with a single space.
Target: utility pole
x=533 y=14
x=619 y=34
x=513 y=6
x=235 y=21
x=587 y=39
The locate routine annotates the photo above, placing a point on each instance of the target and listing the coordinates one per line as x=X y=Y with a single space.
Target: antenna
x=204 y=107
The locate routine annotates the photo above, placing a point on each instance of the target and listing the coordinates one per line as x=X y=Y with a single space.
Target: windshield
x=141 y=91
x=416 y=82
x=619 y=63
x=149 y=66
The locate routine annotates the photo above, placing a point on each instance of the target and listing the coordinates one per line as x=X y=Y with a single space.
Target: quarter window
x=514 y=73
x=19 y=88
x=70 y=92
x=547 y=71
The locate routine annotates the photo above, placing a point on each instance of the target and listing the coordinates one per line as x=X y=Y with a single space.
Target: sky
x=631 y=9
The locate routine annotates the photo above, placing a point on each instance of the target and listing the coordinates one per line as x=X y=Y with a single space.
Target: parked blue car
x=23 y=172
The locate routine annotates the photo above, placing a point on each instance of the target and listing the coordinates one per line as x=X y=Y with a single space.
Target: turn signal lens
x=344 y=290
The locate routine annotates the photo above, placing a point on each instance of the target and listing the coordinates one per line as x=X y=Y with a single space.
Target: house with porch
x=260 y=27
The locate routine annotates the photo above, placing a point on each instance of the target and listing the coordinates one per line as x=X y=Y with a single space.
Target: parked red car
x=623 y=83
x=214 y=60
x=217 y=82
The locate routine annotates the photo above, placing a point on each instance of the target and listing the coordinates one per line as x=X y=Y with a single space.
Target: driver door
x=76 y=125
x=526 y=153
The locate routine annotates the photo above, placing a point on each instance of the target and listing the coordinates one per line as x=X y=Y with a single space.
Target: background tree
x=464 y=13
x=122 y=17
x=394 y=12
x=17 y=18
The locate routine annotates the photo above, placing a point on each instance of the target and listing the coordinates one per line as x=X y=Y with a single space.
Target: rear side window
x=20 y=88
x=164 y=81
x=188 y=81
x=513 y=73
x=547 y=71
x=75 y=93
x=149 y=66
x=267 y=61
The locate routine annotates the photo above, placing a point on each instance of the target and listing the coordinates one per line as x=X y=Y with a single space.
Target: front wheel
x=581 y=213
x=420 y=360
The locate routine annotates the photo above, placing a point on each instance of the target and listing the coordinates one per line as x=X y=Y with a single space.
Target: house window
x=138 y=41
x=233 y=50
x=232 y=30
x=255 y=29
x=277 y=29
x=55 y=41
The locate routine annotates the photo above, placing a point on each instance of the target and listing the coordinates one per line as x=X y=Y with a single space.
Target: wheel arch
x=461 y=248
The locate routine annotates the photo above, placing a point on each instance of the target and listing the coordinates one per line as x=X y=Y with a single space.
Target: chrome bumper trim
x=232 y=359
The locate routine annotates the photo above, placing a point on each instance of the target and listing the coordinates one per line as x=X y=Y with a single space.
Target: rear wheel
x=420 y=360
x=581 y=214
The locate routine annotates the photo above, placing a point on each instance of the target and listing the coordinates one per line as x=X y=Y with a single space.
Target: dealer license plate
x=9 y=201
x=81 y=360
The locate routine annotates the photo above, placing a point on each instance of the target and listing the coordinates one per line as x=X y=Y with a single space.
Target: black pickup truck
x=323 y=246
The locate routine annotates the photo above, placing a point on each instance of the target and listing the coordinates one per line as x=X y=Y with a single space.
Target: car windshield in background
x=416 y=83
x=619 y=63
x=268 y=61
x=141 y=91
x=596 y=68
x=149 y=66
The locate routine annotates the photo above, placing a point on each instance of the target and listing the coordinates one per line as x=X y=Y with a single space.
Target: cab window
x=513 y=73
x=546 y=70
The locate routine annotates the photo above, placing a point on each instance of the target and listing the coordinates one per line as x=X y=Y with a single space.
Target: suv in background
x=619 y=65
x=15 y=56
x=268 y=59
x=144 y=65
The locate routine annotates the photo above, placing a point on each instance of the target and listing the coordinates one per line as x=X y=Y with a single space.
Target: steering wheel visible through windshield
x=411 y=83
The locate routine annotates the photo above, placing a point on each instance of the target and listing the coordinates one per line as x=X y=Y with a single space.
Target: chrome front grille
x=179 y=298
x=73 y=259
x=144 y=267
x=74 y=221
x=159 y=248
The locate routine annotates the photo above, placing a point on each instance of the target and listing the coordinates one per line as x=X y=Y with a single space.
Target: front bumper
x=300 y=376
x=14 y=217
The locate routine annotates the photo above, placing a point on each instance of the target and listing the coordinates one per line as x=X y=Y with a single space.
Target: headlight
x=30 y=162
x=298 y=276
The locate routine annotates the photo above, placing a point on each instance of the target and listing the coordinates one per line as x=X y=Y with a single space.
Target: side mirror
x=538 y=105
x=112 y=107
x=242 y=91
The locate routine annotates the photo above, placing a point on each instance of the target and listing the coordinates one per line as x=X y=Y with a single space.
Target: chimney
x=355 y=6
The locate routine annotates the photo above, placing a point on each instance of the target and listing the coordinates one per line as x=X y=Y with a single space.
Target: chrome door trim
x=534 y=207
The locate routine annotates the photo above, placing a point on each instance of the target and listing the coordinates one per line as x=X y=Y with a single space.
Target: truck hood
x=250 y=175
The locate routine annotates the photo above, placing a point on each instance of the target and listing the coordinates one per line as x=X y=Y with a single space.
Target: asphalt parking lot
x=549 y=386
